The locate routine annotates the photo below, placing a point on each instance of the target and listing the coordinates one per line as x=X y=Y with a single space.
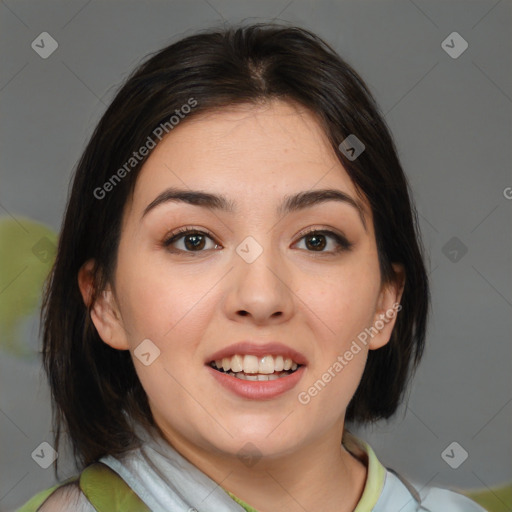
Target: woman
x=238 y=276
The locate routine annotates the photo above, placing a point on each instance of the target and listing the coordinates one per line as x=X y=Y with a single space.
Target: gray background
x=451 y=119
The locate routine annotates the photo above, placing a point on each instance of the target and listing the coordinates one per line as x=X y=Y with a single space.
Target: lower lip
x=258 y=389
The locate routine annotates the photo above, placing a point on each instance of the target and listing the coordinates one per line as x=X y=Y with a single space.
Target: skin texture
x=192 y=304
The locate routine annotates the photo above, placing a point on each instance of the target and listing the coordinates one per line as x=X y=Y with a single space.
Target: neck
x=321 y=475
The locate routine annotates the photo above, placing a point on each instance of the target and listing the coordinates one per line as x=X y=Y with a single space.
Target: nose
x=261 y=290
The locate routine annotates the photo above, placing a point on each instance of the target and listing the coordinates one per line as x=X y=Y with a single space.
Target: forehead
x=245 y=151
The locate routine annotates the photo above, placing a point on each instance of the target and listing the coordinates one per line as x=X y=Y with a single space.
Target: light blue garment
x=166 y=481
x=397 y=497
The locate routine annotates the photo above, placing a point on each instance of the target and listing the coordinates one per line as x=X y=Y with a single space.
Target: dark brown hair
x=95 y=390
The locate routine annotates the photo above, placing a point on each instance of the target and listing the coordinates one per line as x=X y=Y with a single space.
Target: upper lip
x=259 y=350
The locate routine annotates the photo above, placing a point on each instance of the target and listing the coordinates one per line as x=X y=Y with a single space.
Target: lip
x=259 y=350
x=258 y=390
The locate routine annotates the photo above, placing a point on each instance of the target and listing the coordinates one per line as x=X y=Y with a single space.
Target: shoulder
x=60 y=498
x=438 y=499
x=403 y=495
x=65 y=498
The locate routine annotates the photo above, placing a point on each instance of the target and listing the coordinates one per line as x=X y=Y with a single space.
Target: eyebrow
x=291 y=203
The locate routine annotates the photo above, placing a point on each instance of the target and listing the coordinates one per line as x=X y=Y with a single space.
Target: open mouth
x=250 y=367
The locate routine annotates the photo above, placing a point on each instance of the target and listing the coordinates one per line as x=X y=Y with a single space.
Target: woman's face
x=252 y=283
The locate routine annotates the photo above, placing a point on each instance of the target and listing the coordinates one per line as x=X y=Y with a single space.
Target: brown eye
x=317 y=241
x=193 y=241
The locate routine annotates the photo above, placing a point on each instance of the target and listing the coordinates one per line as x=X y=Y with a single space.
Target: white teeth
x=237 y=363
x=278 y=364
x=266 y=365
x=251 y=364
x=258 y=377
x=272 y=376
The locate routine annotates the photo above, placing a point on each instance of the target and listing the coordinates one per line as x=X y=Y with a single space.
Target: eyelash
x=343 y=243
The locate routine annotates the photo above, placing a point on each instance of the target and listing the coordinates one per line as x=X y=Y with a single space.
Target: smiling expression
x=249 y=259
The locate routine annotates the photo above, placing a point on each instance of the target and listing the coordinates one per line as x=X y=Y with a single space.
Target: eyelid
x=181 y=232
x=341 y=239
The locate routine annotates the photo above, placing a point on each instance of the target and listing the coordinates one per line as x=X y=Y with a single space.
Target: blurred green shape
x=27 y=252
x=495 y=499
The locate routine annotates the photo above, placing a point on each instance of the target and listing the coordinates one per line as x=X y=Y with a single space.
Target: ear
x=104 y=311
x=388 y=307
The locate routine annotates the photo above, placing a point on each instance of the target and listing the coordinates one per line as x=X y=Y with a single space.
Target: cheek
x=159 y=301
x=346 y=304
x=343 y=303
